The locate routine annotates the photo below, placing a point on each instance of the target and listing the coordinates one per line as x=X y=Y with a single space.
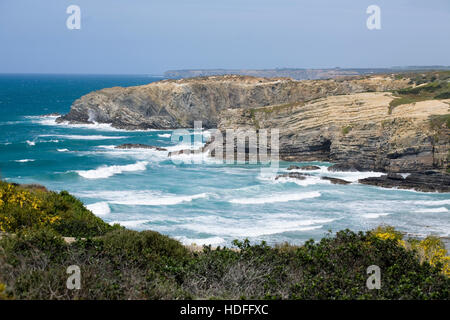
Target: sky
x=152 y=36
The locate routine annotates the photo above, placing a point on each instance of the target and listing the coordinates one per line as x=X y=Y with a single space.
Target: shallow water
x=205 y=203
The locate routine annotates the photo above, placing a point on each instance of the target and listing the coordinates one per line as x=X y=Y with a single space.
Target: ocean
x=201 y=203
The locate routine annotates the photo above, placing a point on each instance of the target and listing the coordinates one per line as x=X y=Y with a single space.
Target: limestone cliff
x=339 y=120
x=355 y=128
x=172 y=104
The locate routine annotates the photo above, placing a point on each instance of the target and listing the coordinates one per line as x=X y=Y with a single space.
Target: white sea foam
x=51 y=121
x=108 y=147
x=277 y=198
x=142 y=197
x=197 y=157
x=82 y=137
x=138 y=154
x=165 y=135
x=350 y=175
x=130 y=223
x=44 y=120
x=201 y=241
x=226 y=227
x=430 y=202
x=24 y=160
x=31 y=143
x=186 y=146
x=62 y=150
x=207 y=134
x=99 y=208
x=433 y=210
x=375 y=215
x=108 y=171
x=309 y=180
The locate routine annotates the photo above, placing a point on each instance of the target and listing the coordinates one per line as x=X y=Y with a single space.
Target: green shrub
x=345 y=130
x=122 y=264
x=25 y=207
x=434 y=88
x=437 y=121
x=146 y=265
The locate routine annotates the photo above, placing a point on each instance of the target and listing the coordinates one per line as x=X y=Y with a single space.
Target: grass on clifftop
x=428 y=86
x=438 y=121
x=117 y=263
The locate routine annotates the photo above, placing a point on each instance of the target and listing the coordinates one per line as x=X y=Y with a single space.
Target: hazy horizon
x=425 y=67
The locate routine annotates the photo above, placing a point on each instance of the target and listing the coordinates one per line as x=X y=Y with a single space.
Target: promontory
x=392 y=122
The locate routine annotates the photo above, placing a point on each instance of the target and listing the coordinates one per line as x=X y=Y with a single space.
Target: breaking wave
x=108 y=171
x=277 y=198
x=99 y=208
x=81 y=137
x=142 y=197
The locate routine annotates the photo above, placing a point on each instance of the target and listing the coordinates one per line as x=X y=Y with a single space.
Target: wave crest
x=277 y=198
x=108 y=171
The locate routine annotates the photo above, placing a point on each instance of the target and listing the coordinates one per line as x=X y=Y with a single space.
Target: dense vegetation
x=117 y=263
x=23 y=206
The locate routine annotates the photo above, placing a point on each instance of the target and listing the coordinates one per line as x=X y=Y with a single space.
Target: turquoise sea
x=202 y=203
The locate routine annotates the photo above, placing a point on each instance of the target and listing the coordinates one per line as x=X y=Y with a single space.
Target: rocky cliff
x=346 y=120
x=356 y=128
x=172 y=104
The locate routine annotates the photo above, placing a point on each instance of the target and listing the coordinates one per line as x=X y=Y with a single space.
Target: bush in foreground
x=117 y=263
x=34 y=206
x=126 y=264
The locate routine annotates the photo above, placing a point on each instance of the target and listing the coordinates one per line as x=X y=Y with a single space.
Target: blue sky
x=152 y=36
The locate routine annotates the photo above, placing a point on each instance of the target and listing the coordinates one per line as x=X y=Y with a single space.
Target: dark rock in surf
x=293 y=175
x=139 y=146
x=430 y=181
x=336 y=180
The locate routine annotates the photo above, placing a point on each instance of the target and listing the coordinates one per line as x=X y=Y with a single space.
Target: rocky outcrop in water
x=429 y=181
x=294 y=167
x=292 y=175
x=139 y=146
x=303 y=176
x=336 y=180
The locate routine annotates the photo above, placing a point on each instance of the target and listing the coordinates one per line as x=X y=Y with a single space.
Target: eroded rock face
x=343 y=121
x=346 y=166
x=173 y=104
x=356 y=131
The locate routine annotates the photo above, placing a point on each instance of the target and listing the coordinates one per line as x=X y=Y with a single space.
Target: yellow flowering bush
x=431 y=249
x=20 y=207
x=33 y=206
x=3 y=295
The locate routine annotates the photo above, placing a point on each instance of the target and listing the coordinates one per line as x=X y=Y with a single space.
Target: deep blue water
x=203 y=203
